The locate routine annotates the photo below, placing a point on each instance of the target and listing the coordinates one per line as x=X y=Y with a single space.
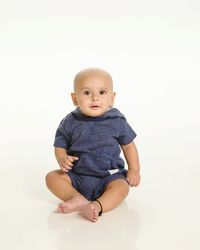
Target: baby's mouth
x=94 y=106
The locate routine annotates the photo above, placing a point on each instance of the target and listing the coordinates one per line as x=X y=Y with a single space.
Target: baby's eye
x=102 y=92
x=86 y=92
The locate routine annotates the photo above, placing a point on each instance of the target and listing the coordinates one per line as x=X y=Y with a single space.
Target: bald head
x=92 y=72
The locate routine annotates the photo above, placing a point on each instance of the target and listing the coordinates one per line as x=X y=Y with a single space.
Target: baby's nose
x=95 y=97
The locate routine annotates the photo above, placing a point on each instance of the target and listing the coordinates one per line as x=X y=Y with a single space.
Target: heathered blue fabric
x=95 y=141
x=92 y=187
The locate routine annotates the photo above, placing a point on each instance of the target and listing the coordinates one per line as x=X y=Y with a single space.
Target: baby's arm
x=132 y=159
x=64 y=160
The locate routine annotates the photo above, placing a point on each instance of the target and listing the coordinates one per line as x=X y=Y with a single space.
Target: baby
x=92 y=178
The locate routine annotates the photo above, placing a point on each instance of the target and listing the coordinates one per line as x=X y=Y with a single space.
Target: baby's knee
x=121 y=186
x=54 y=176
x=124 y=189
x=50 y=177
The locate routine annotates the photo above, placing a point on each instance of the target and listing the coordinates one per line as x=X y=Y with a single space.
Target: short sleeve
x=61 y=137
x=126 y=133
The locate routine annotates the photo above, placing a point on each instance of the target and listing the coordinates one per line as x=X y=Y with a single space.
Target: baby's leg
x=60 y=185
x=115 y=192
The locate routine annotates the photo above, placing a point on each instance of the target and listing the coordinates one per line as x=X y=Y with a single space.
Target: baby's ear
x=74 y=99
x=113 y=98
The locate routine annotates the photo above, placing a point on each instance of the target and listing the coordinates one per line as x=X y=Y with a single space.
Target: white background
x=151 y=48
x=152 y=51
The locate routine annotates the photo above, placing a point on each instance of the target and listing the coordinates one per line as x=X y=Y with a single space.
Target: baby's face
x=93 y=95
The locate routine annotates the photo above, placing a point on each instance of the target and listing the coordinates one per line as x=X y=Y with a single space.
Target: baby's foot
x=91 y=212
x=75 y=204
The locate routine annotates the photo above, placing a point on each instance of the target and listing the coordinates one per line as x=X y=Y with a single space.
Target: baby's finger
x=66 y=166
x=68 y=162
x=75 y=158
x=136 y=183
x=64 y=169
x=130 y=182
x=72 y=158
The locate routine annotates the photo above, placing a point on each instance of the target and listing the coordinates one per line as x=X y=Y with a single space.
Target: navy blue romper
x=96 y=142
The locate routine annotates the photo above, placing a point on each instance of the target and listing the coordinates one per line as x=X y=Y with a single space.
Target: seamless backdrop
x=152 y=50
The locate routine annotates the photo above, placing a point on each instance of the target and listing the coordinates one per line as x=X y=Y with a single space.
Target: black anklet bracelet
x=101 y=211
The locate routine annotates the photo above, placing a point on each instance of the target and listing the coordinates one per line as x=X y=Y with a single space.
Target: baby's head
x=93 y=91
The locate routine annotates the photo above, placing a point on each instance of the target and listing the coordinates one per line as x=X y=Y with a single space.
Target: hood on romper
x=111 y=113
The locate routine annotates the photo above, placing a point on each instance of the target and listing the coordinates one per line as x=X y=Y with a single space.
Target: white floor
x=163 y=213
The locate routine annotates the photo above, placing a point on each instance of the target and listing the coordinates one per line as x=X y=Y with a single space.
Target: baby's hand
x=66 y=162
x=133 y=178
